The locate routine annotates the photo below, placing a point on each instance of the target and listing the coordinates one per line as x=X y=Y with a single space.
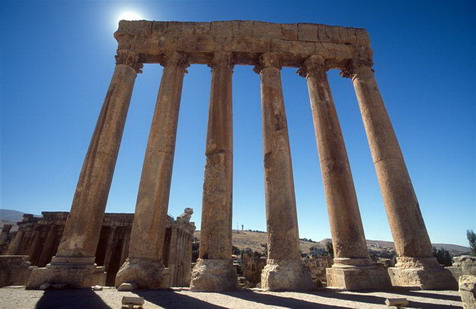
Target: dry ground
x=18 y=297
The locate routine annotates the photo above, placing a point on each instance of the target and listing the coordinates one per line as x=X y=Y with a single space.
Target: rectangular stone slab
x=246 y=39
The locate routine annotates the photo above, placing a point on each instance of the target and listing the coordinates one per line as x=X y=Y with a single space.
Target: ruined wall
x=38 y=238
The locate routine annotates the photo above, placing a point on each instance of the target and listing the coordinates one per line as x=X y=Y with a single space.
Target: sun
x=130 y=15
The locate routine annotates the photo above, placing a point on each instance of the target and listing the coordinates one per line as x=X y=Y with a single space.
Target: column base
x=286 y=275
x=424 y=273
x=75 y=272
x=145 y=273
x=213 y=275
x=357 y=274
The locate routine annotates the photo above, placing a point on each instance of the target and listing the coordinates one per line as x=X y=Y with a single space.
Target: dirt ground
x=18 y=297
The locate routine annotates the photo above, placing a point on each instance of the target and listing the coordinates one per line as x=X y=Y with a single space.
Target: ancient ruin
x=38 y=240
x=311 y=48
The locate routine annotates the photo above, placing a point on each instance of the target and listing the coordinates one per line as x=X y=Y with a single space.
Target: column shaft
x=284 y=269
x=403 y=211
x=81 y=231
x=215 y=237
x=214 y=270
x=281 y=217
x=82 y=228
x=154 y=189
x=347 y=231
x=148 y=228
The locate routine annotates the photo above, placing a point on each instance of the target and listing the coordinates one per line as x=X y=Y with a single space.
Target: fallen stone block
x=132 y=302
x=396 y=302
x=96 y=288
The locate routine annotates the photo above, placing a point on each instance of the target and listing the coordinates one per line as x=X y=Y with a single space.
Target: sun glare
x=130 y=15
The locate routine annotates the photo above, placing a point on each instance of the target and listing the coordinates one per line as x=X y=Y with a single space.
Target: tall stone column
x=214 y=270
x=352 y=269
x=144 y=266
x=416 y=265
x=73 y=263
x=284 y=269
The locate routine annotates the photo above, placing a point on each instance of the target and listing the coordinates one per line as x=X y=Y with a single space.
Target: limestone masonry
x=311 y=48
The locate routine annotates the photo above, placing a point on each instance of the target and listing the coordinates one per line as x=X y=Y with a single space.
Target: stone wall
x=317 y=266
x=38 y=238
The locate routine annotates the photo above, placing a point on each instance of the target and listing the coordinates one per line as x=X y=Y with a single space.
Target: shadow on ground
x=173 y=300
x=275 y=300
x=380 y=300
x=70 y=299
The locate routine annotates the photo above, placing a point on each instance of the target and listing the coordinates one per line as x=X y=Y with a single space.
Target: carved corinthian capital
x=361 y=67
x=268 y=60
x=129 y=58
x=173 y=58
x=222 y=58
x=314 y=65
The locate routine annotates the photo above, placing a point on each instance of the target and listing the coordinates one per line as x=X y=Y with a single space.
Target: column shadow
x=274 y=300
x=370 y=299
x=428 y=295
x=170 y=300
x=70 y=299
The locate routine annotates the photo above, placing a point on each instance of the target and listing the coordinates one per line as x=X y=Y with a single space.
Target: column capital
x=362 y=67
x=129 y=58
x=268 y=60
x=313 y=65
x=222 y=58
x=174 y=58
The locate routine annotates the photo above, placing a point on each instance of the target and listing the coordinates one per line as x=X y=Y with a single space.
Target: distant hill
x=253 y=240
x=9 y=216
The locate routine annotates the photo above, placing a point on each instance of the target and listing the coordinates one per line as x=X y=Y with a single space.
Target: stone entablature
x=246 y=39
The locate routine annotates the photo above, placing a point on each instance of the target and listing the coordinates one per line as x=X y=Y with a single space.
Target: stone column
x=144 y=265
x=74 y=260
x=47 y=246
x=416 y=265
x=352 y=267
x=284 y=269
x=214 y=270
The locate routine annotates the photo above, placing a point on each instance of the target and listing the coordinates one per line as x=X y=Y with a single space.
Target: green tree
x=330 y=248
x=472 y=241
x=443 y=256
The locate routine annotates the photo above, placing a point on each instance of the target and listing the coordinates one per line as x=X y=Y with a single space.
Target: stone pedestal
x=215 y=275
x=75 y=272
x=286 y=275
x=215 y=235
x=145 y=273
x=424 y=273
x=284 y=269
x=357 y=274
x=148 y=228
x=74 y=260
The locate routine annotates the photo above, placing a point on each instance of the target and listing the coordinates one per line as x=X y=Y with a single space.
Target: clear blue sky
x=58 y=58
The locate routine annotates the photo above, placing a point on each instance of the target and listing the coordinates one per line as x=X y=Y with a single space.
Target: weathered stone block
x=214 y=275
x=307 y=32
x=146 y=273
x=286 y=275
x=467 y=291
x=424 y=273
x=358 y=277
x=14 y=269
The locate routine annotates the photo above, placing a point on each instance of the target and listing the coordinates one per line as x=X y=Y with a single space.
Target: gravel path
x=18 y=297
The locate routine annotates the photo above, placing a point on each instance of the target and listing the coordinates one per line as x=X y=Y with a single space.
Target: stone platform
x=18 y=297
